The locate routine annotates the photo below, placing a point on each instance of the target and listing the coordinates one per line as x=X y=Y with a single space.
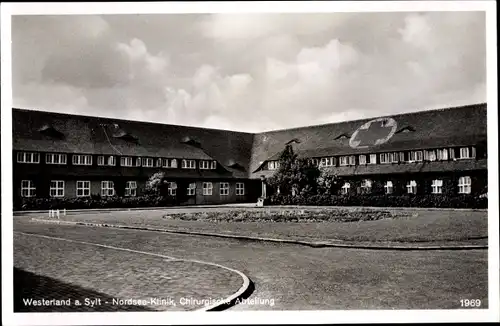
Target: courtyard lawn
x=420 y=226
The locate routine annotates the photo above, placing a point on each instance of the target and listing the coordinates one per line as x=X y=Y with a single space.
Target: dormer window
x=293 y=141
x=55 y=158
x=190 y=141
x=51 y=131
x=188 y=164
x=24 y=157
x=342 y=136
x=147 y=162
x=405 y=130
x=273 y=165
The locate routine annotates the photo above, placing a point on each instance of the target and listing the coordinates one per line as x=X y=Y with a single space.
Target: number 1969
x=470 y=303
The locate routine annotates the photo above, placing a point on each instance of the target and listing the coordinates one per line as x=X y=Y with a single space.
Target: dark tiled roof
x=458 y=126
x=93 y=135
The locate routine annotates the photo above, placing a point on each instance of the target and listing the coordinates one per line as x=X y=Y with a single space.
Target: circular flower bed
x=290 y=216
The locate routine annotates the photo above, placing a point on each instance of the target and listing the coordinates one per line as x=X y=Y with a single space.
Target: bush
x=424 y=201
x=94 y=201
x=289 y=216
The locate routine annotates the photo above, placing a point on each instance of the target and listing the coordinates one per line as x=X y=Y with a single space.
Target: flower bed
x=290 y=216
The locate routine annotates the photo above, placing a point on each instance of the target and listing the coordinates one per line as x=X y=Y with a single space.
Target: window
x=147 y=162
x=273 y=165
x=23 y=157
x=466 y=152
x=362 y=159
x=188 y=164
x=28 y=188
x=82 y=188
x=208 y=165
x=442 y=154
x=191 y=190
x=107 y=188
x=207 y=188
x=126 y=161
x=352 y=160
x=373 y=159
x=138 y=161
x=389 y=187
x=111 y=161
x=314 y=161
x=158 y=162
x=430 y=155
x=82 y=159
x=345 y=188
x=384 y=158
x=416 y=156
x=452 y=153
x=393 y=157
x=169 y=163
x=344 y=161
x=224 y=188
x=173 y=163
x=437 y=186
x=464 y=185
x=100 y=160
x=401 y=156
x=366 y=185
x=56 y=188
x=326 y=161
x=55 y=158
x=172 y=188
x=411 y=187
x=131 y=189
x=240 y=189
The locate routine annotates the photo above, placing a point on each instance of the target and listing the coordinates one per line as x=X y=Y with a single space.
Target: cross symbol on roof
x=376 y=133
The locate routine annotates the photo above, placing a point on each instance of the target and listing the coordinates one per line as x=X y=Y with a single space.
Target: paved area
x=291 y=277
x=156 y=282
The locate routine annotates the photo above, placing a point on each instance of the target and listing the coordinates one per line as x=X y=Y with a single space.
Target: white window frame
x=401 y=156
x=384 y=158
x=205 y=165
x=172 y=188
x=29 y=187
x=366 y=184
x=188 y=164
x=415 y=156
x=56 y=188
x=394 y=157
x=464 y=185
x=362 y=159
x=50 y=158
x=82 y=159
x=127 y=161
x=191 y=190
x=130 y=189
x=100 y=160
x=159 y=162
x=344 y=161
x=411 y=187
x=111 y=160
x=138 y=161
x=373 y=159
x=28 y=157
x=465 y=153
x=213 y=165
x=389 y=187
x=437 y=186
x=442 y=154
x=82 y=185
x=240 y=189
x=208 y=188
x=346 y=187
x=273 y=165
x=224 y=189
x=148 y=162
x=173 y=163
x=107 y=188
x=352 y=160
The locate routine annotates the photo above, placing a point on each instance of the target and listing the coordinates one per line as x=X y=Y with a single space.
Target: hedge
x=93 y=202
x=437 y=201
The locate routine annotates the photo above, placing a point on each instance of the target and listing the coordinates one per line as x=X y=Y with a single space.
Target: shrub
x=94 y=202
x=424 y=201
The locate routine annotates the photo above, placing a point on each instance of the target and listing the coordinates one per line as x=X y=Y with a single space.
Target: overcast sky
x=248 y=72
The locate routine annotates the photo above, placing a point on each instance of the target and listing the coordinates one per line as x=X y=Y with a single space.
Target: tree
x=156 y=184
x=295 y=176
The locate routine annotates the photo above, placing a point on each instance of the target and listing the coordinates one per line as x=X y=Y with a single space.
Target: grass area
x=124 y=275
x=304 y=278
x=419 y=226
